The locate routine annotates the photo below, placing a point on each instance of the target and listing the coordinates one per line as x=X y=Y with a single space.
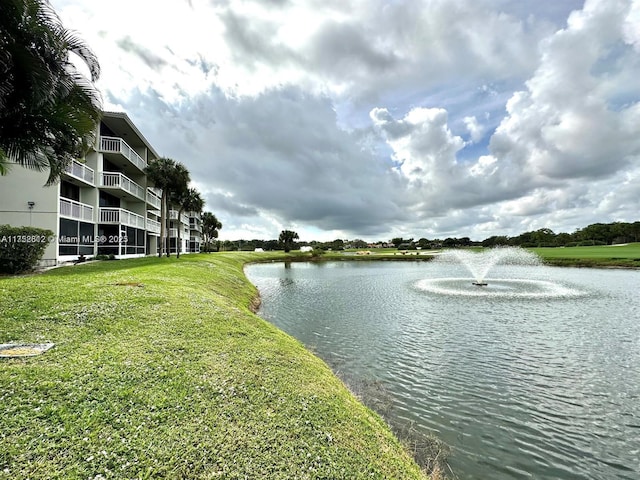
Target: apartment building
x=103 y=203
x=178 y=221
x=195 y=231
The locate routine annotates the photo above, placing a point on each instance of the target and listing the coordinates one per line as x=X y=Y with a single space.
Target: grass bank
x=160 y=370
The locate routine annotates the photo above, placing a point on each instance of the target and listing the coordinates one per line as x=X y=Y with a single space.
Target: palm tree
x=48 y=110
x=188 y=200
x=159 y=174
x=286 y=239
x=177 y=186
x=210 y=227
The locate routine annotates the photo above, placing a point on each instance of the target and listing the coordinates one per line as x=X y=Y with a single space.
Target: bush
x=22 y=247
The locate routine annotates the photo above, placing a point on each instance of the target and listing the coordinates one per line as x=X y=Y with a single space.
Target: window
x=108 y=200
x=70 y=191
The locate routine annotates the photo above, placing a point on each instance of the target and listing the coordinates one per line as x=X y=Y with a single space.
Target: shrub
x=22 y=247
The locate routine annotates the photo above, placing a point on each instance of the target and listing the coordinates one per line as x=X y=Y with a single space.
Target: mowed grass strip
x=599 y=256
x=160 y=370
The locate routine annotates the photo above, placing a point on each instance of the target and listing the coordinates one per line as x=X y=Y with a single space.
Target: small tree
x=159 y=173
x=188 y=201
x=210 y=227
x=286 y=239
x=171 y=177
x=178 y=190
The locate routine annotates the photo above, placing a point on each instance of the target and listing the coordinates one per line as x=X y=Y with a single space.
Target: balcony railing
x=173 y=215
x=153 y=198
x=195 y=226
x=76 y=210
x=173 y=232
x=80 y=171
x=121 y=181
x=117 y=145
x=153 y=226
x=122 y=217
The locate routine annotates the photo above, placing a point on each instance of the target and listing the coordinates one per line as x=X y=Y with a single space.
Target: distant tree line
x=594 y=234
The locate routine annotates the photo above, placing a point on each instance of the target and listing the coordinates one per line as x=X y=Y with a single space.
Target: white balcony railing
x=153 y=198
x=117 y=145
x=173 y=232
x=80 y=171
x=122 y=217
x=122 y=182
x=76 y=210
x=153 y=226
x=173 y=215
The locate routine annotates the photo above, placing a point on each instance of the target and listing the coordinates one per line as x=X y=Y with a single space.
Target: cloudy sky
x=381 y=118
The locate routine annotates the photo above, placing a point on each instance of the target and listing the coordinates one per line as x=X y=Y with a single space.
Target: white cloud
x=476 y=130
x=563 y=126
x=373 y=119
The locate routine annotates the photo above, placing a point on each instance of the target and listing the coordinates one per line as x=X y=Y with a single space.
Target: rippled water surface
x=536 y=375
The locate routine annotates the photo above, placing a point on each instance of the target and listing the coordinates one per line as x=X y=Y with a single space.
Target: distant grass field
x=614 y=256
x=631 y=250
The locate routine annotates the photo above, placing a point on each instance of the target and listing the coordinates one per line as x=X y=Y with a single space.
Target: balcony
x=76 y=210
x=173 y=233
x=173 y=215
x=153 y=197
x=195 y=227
x=81 y=172
x=119 y=146
x=119 y=181
x=120 y=216
x=153 y=226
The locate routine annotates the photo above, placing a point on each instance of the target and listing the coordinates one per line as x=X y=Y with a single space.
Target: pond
x=543 y=386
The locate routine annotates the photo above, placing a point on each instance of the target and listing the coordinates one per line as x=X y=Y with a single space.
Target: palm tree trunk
x=179 y=245
x=163 y=221
x=167 y=242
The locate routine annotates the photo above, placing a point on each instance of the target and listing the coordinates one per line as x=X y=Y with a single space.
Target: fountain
x=480 y=263
x=515 y=262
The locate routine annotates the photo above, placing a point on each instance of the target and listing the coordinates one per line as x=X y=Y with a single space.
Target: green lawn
x=161 y=370
x=615 y=256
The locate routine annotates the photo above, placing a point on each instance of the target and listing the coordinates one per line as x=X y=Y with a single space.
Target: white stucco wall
x=22 y=186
